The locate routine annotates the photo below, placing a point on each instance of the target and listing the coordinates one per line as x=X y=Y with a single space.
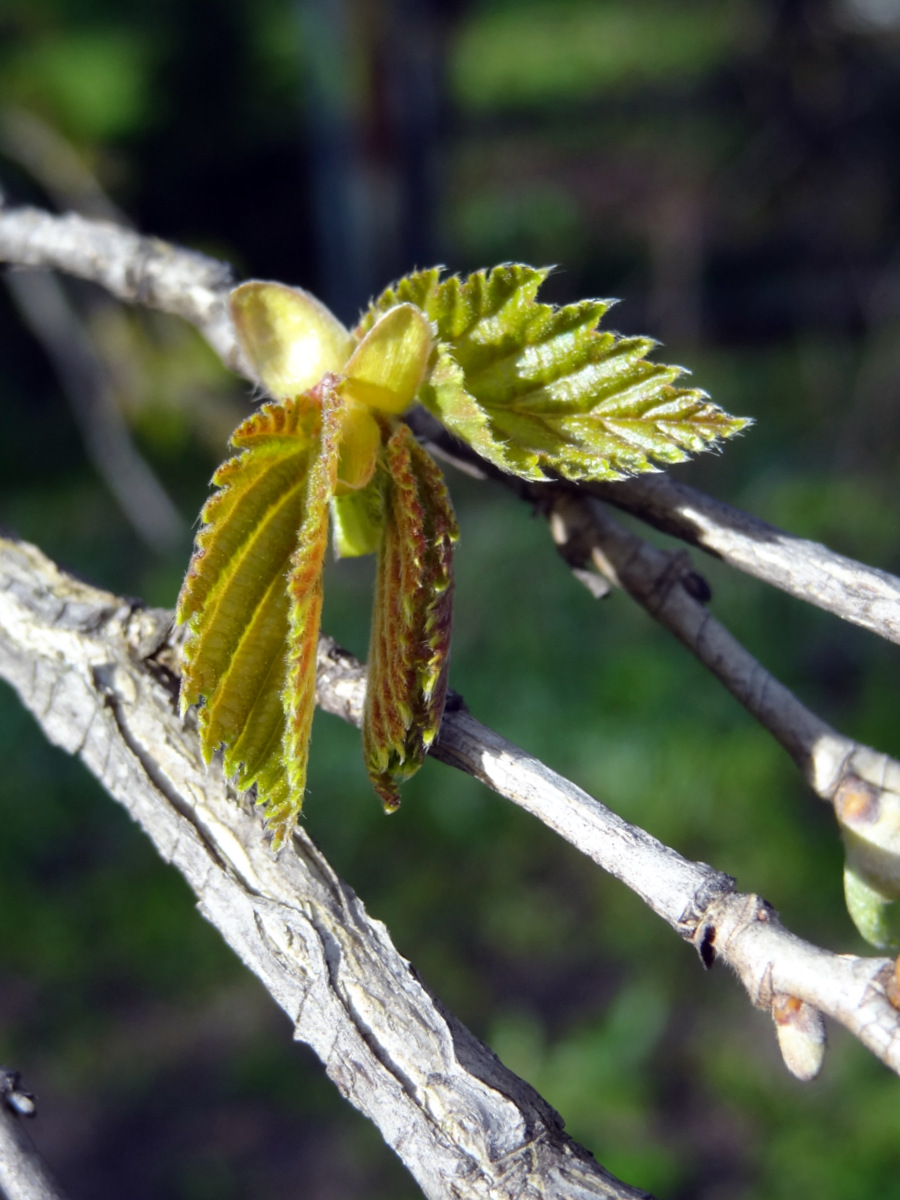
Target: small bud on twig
x=801 y=1036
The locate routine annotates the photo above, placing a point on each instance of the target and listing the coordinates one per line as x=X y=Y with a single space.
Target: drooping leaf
x=410 y=642
x=304 y=588
x=234 y=596
x=540 y=388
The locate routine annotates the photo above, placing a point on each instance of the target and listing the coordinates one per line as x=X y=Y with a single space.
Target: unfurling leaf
x=253 y=594
x=291 y=339
x=235 y=597
x=410 y=642
x=534 y=388
x=305 y=594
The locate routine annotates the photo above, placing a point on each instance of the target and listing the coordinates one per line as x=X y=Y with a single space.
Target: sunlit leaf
x=291 y=339
x=540 y=389
x=234 y=596
x=534 y=388
x=305 y=596
x=387 y=366
x=410 y=643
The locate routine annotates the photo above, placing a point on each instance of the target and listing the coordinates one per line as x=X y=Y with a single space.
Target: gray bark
x=82 y=662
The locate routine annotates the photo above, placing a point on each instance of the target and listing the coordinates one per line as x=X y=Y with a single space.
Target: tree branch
x=790 y=978
x=136 y=269
x=862 y=784
x=23 y=1175
x=808 y=570
x=700 y=903
x=142 y=270
x=697 y=901
x=83 y=662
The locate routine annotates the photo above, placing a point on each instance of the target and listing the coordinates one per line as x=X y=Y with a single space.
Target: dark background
x=730 y=170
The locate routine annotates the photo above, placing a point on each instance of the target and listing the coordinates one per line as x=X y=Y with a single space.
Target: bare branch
x=808 y=570
x=23 y=1175
x=463 y=1124
x=70 y=652
x=699 y=902
x=148 y=271
x=136 y=269
x=861 y=783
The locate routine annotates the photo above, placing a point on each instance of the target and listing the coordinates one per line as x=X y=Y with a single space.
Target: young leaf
x=534 y=388
x=410 y=643
x=291 y=339
x=358 y=520
x=304 y=586
x=234 y=596
x=387 y=366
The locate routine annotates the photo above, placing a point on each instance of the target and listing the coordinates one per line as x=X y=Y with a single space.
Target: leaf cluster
x=537 y=390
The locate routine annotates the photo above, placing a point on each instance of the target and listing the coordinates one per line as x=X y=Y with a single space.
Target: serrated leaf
x=410 y=642
x=234 y=596
x=554 y=393
x=418 y=288
x=304 y=587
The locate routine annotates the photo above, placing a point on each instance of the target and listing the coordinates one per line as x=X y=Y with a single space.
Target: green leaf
x=304 y=587
x=253 y=598
x=357 y=519
x=875 y=914
x=410 y=643
x=234 y=597
x=535 y=388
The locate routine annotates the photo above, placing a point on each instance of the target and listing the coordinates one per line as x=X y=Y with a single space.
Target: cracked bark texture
x=82 y=661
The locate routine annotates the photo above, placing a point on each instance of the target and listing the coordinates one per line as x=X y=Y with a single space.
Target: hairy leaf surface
x=410 y=643
x=234 y=596
x=305 y=597
x=534 y=388
x=245 y=585
x=290 y=338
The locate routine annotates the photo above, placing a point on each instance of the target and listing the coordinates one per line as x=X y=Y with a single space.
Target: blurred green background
x=728 y=168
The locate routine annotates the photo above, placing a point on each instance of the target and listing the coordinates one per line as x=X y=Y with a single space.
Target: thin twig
x=808 y=570
x=136 y=269
x=141 y=270
x=862 y=784
x=697 y=901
